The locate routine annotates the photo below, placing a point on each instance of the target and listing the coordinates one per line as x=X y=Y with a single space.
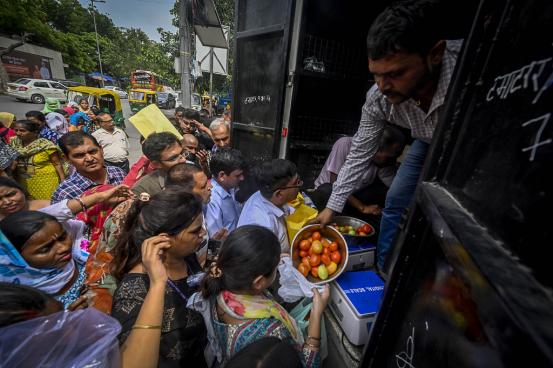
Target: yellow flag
x=151 y=120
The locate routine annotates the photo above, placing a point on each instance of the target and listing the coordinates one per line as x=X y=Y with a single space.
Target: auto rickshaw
x=106 y=100
x=140 y=98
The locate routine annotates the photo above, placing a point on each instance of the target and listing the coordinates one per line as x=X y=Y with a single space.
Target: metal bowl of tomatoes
x=320 y=254
x=354 y=231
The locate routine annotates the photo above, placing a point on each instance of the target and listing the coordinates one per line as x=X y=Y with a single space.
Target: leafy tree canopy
x=68 y=27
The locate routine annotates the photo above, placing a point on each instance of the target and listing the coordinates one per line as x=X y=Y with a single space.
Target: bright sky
x=144 y=14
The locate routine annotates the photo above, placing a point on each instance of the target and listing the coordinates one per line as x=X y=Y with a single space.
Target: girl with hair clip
x=236 y=306
x=172 y=218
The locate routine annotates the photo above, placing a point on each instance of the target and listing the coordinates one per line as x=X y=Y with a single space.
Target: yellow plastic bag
x=302 y=214
x=151 y=120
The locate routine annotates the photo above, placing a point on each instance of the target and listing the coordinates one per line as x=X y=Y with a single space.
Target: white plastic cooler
x=354 y=300
x=361 y=256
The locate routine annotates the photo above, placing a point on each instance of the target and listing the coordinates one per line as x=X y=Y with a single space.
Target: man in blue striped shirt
x=85 y=154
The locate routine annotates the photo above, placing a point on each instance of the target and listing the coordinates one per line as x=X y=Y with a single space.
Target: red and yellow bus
x=145 y=79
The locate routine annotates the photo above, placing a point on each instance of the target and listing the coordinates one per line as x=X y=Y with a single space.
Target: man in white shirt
x=114 y=142
x=279 y=183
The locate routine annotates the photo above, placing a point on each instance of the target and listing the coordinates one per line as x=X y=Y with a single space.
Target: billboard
x=20 y=64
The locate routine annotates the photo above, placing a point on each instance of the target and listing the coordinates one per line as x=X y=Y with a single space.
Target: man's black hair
x=226 y=160
x=191 y=114
x=36 y=114
x=182 y=175
x=102 y=113
x=156 y=143
x=271 y=175
x=411 y=26
x=391 y=136
x=179 y=109
x=75 y=139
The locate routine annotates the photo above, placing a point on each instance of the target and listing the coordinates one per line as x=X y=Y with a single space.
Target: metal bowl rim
x=358 y=220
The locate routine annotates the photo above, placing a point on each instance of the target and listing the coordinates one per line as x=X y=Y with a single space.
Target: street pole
x=211 y=81
x=184 y=49
x=97 y=42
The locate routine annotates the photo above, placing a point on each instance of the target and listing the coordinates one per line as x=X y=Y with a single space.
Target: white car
x=36 y=90
x=195 y=100
x=120 y=91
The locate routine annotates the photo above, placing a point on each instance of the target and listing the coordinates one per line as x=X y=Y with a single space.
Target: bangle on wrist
x=146 y=327
x=311 y=346
x=314 y=338
x=81 y=202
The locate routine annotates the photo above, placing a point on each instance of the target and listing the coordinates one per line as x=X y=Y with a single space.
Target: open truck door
x=470 y=282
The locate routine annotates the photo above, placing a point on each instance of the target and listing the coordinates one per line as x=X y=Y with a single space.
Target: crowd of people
x=176 y=247
x=143 y=243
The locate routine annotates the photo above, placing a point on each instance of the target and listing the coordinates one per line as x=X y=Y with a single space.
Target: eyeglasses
x=176 y=157
x=298 y=185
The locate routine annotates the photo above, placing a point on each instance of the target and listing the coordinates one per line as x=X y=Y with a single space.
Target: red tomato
x=307 y=235
x=326 y=250
x=304 y=245
x=304 y=270
x=365 y=228
x=325 y=259
x=315 y=272
x=316 y=247
x=305 y=261
x=336 y=257
x=315 y=260
x=325 y=242
x=316 y=236
x=333 y=246
x=303 y=253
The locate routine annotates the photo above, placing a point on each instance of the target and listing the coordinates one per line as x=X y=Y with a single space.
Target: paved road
x=9 y=104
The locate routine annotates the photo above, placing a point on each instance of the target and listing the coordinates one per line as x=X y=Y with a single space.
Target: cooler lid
x=364 y=290
x=355 y=248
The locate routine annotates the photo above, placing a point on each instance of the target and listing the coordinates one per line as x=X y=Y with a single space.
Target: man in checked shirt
x=412 y=68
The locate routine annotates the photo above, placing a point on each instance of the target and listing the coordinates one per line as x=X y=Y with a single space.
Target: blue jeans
x=399 y=197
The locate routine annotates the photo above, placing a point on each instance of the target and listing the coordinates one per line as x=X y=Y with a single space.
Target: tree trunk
x=4 y=79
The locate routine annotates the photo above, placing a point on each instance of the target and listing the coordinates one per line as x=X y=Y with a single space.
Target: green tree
x=25 y=16
x=225 y=9
x=68 y=27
